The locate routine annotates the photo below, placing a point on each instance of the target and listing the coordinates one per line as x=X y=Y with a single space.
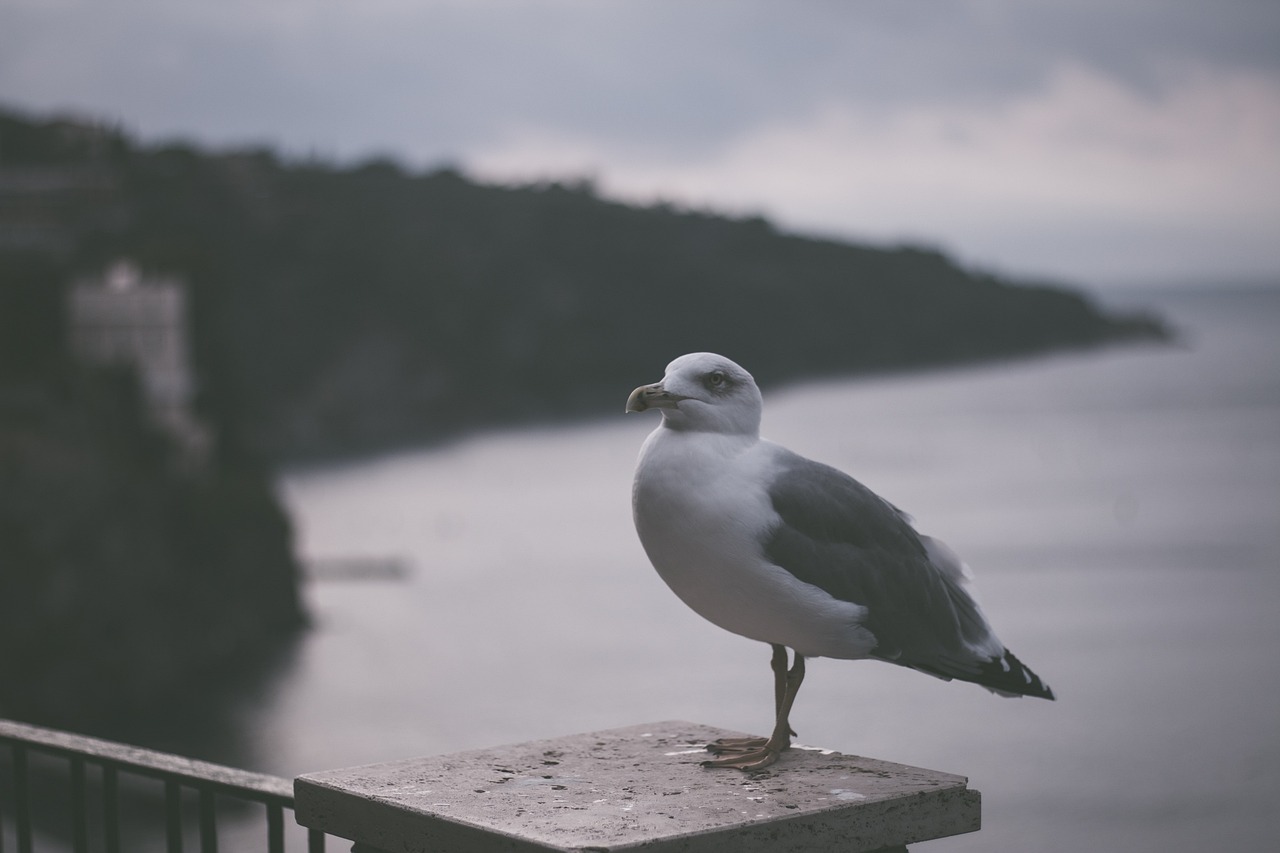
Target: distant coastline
x=346 y=310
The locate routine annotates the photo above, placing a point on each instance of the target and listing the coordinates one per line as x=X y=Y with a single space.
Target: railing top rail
x=260 y=787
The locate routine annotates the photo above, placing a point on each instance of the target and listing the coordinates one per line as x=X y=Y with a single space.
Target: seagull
x=778 y=548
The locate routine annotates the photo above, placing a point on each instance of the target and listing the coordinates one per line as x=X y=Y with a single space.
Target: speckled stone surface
x=631 y=788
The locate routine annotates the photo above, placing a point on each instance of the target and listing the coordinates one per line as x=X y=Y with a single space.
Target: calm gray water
x=1121 y=510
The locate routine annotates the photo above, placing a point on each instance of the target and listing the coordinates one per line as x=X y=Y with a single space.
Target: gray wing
x=838 y=535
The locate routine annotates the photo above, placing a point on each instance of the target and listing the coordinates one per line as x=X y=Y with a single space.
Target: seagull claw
x=736 y=745
x=756 y=759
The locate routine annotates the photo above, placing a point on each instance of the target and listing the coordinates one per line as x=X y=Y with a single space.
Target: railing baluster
x=79 y=808
x=173 y=816
x=90 y=759
x=275 y=829
x=208 y=822
x=110 y=809
x=21 y=798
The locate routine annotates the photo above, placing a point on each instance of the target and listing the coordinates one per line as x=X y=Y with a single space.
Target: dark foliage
x=127 y=588
x=340 y=310
x=134 y=590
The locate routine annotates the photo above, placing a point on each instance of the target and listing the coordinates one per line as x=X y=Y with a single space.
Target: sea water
x=1120 y=508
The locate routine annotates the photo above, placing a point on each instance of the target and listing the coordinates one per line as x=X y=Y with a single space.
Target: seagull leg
x=758 y=753
x=780 y=678
x=740 y=745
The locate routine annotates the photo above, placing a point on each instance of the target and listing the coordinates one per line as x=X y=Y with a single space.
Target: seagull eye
x=716 y=379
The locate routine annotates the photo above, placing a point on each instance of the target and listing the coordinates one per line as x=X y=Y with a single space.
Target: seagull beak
x=652 y=397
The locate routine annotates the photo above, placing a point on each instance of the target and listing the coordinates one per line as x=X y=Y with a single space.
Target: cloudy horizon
x=1071 y=139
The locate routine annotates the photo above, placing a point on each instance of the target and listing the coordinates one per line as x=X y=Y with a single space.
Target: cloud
x=1007 y=128
x=1084 y=156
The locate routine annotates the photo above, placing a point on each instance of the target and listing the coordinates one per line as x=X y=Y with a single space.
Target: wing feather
x=838 y=535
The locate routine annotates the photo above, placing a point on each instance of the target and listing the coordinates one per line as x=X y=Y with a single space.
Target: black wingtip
x=1009 y=676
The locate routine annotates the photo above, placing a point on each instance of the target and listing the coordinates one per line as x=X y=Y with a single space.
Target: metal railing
x=210 y=784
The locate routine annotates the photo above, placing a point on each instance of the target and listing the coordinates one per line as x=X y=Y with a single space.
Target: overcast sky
x=1100 y=141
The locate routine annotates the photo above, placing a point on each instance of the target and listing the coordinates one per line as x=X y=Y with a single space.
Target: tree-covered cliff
x=340 y=310
x=139 y=590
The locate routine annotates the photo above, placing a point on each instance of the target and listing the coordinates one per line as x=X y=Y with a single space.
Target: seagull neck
x=678 y=423
x=732 y=442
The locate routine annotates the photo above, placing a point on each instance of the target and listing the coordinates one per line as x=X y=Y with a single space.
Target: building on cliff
x=126 y=318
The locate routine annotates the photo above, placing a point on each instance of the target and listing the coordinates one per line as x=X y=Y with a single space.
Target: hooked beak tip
x=652 y=397
x=636 y=402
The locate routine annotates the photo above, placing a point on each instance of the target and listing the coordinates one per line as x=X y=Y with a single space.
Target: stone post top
x=626 y=788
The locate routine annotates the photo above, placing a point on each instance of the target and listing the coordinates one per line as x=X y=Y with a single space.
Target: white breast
x=702 y=512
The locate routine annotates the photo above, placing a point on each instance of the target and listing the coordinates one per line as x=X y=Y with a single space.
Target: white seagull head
x=703 y=392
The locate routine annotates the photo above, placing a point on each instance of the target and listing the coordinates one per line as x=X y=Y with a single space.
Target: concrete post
x=640 y=786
